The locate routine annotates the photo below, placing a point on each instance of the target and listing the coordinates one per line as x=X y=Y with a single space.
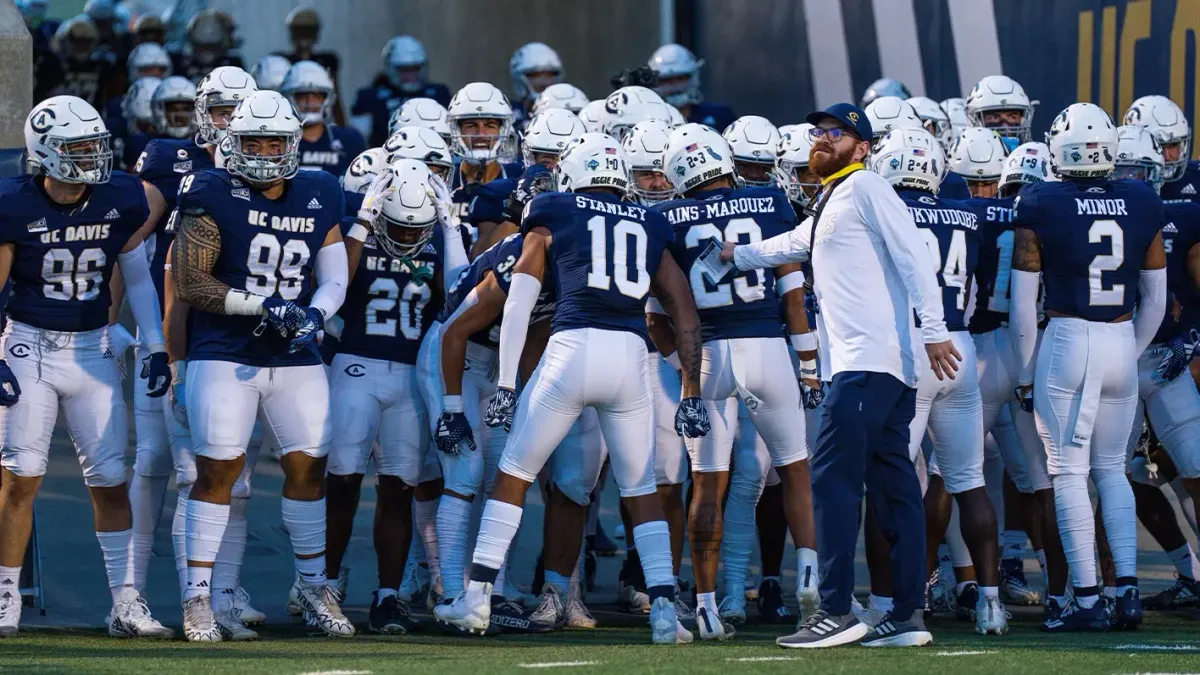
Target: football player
x=85 y=75
x=949 y=411
x=421 y=112
x=259 y=295
x=978 y=157
x=405 y=75
x=269 y=71
x=600 y=310
x=533 y=67
x=627 y=106
x=560 y=95
x=754 y=142
x=547 y=135
x=1093 y=240
x=679 y=84
x=304 y=30
x=891 y=112
x=934 y=118
x=421 y=144
x=998 y=103
x=149 y=60
x=325 y=146
x=792 y=174
x=745 y=355
x=1166 y=121
x=209 y=45
x=884 y=86
x=956 y=110
x=65 y=227
x=136 y=122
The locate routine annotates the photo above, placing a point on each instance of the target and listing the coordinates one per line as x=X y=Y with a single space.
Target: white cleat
x=199 y=624
x=321 y=610
x=10 y=613
x=990 y=616
x=712 y=626
x=733 y=609
x=471 y=611
x=232 y=628
x=665 y=628
x=131 y=618
x=808 y=597
x=293 y=604
x=244 y=611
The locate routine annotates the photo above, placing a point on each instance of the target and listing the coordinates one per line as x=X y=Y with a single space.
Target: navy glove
x=811 y=396
x=691 y=418
x=156 y=369
x=1180 y=353
x=810 y=303
x=453 y=431
x=306 y=334
x=500 y=409
x=1026 y=401
x=283 y=316
x=8 y=381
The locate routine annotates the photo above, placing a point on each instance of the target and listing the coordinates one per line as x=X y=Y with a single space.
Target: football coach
x=871 y=269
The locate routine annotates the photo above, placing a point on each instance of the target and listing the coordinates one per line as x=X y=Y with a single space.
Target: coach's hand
x=156 y=369
x=1178 y=358
x=691 y=418
x=943 y=358
x=10 y=391
x=453 y=430
x=500 y=409
x=307 y=333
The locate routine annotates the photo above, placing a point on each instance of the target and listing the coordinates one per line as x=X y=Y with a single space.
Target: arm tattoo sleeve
x=689 y=345
x=193 y=255
x=1027 y=251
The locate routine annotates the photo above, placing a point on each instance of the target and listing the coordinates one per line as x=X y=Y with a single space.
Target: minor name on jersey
x=943 y=217
x=999 y=214
x=615 y=208
x=721 y=209
x=76 y=233
x=381 y=263
x=320 y=157
x=1100 y=207
x=285 y=223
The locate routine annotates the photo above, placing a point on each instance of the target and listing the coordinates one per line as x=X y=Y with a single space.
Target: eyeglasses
x=835 y=133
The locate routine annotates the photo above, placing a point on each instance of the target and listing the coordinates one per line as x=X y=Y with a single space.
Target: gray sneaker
x=551 y=610
x=825 y=630
x=892 y=633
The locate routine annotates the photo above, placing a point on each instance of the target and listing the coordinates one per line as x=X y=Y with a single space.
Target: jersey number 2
x=1097 y=293
x=598 y=276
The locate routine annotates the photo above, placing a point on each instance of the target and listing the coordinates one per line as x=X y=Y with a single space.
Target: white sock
x=1109 y=592
x=179 y=536
x=501 y=577
x=227 y=567
x=425 y=531
x=561 y=582
x=737 y=538
x=1073 y=509
x=1120 y=519
x=205 y=528
x=1087 y=601
x=958 y=587
x=1184 y=560
x=654 y=548
x=146 y=494
x=497 y=528
x=881 y=603
x=989 y=591
x=10 y=578
x=383 y=593
x=806 y=568
x=453 y=524
x=305 y=523
x=707 y=601
x=117 y=548
x=1014 y=544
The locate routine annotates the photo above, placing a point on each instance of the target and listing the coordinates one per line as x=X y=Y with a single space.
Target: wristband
x=804 y=342
x=788 y=283
x=808 y=367
x=241 y=303
x=358 y=232
x=452 y=404
x=673 y=359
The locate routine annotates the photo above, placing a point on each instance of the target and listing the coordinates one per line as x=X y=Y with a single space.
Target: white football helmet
x=226 y=86
x=627 y=106
x=421 y=112
x=549 y=132
x=409 y=215
x=677 y=119
x=884 y=86
x=560 y=95
x=420 y=143
x=264 y=114
x=405 y=63
x=978 y=155
x=148 y=56
x=592 y=116
x=135 y=104
x=1139 y=156
x=696 y=154
x=535 y=57
x=1169 y=125
x=369 y=164
x=956 y=110
x=911 y=158
x=680 y=69
x=592 y=160
x=645 y=146
x=171 y=92
x=890 y=112
x=791 y=159
x=309 y=77
x=1028 y=163
x=66 y=139
x=1083 y=142
x=269 y=71
x=479 y=100
x=934 y=118
x=997 y=93
x=754 y=141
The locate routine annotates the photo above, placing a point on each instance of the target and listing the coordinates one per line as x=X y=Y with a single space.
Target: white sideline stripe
x=338 y=672
x=1155 y=648
x=751 y=659
x=899 y=46
x=559 y=664
x=964 y=653
x=827 y=45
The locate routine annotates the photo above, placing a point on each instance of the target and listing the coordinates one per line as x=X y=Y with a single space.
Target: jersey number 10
x=598 y=274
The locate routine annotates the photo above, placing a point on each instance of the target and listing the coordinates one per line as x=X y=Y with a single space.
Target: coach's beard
x=826 y=160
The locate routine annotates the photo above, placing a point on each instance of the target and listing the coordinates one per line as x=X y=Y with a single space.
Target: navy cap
x=850 y=115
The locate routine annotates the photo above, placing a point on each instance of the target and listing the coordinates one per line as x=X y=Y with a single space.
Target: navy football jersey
x=462 y=193
x=746 y=305
x=1094 y=235
x=1180 y=233
x=163 y=164
x=1186 y=188
x=499 y=260
x=88 y=80
x=268 y=247
x=716 y=115
x=379 y=100
x=951 y=232
x=603 y=255
x=333 y=151
x=354 y=202
x=993 y=274
x=391 y=303
x=954 y=186
x=65 y=255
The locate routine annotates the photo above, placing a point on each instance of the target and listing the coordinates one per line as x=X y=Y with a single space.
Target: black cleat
x=1075 y=618
x=1128 y=612
x=1184 y=594
x=508 y=617
x=771 y=607
x=391 y=616
x=964 y=607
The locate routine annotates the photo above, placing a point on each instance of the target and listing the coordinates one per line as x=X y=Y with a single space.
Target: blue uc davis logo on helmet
x=43 y=120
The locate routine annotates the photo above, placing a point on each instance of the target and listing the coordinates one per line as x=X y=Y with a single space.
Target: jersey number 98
x=274 y=267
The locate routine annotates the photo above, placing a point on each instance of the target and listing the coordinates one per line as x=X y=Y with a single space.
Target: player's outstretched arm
x=175 y=335
x=482 y=305
x=671 y=288
x=1152 y=294
x=1026 y=276
x=332 y=272
x=523 y=293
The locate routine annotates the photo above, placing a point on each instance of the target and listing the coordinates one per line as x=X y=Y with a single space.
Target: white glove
x=372 y=205
x=120 y=341
x=442 y=201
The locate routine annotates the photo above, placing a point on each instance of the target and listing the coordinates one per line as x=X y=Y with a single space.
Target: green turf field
x=1167 y=644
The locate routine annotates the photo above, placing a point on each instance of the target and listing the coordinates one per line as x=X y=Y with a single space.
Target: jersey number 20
x=623 y=231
